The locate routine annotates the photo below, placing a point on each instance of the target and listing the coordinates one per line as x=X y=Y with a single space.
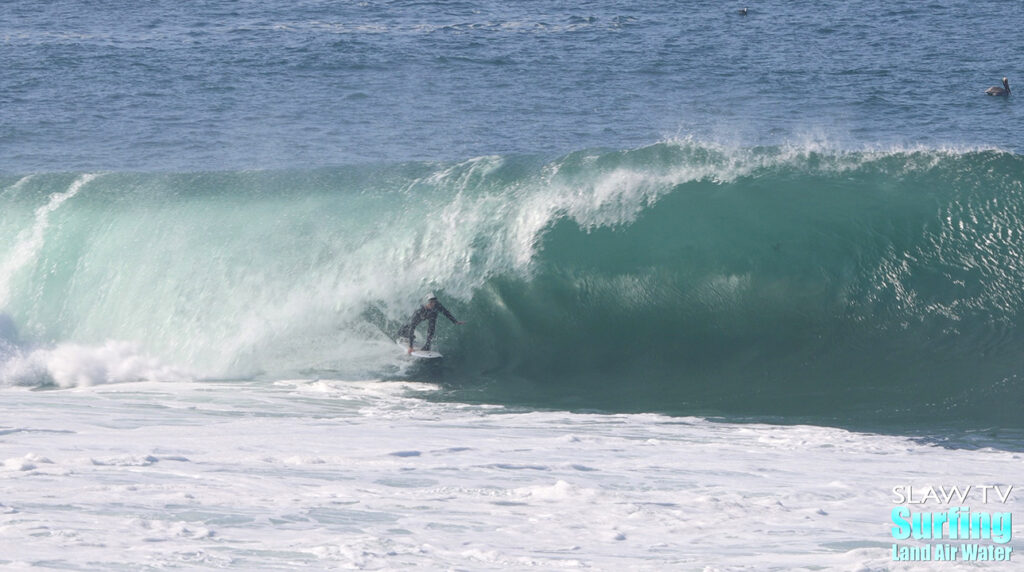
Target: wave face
x=680 y=277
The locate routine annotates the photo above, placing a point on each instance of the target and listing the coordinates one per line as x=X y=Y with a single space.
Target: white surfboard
x=421 y=354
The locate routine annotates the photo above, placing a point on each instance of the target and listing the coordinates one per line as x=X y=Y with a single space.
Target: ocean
x=730 y=283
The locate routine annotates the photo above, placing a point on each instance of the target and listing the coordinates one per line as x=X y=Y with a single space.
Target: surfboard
x=420 y=354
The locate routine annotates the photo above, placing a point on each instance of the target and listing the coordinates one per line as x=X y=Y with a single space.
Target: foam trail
x=30 y=241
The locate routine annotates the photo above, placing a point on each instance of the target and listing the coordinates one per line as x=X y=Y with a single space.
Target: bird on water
x=996 y=90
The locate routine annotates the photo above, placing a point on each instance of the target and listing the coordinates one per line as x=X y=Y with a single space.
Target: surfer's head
x=430 y=300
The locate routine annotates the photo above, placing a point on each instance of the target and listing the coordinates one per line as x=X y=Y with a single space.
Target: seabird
x=996 y=90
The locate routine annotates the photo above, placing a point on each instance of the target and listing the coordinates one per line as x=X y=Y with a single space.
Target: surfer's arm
x=448 y=314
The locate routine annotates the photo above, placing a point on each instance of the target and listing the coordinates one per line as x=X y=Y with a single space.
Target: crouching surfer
x=428 y=311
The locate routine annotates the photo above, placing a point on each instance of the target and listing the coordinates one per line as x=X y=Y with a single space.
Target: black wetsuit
x=425 y=313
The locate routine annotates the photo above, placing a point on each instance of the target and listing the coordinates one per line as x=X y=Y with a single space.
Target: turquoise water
x=811 y=211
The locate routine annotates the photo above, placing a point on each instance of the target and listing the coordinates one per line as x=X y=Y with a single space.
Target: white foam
x=560 y=491
x=125 y=461
x=366 y=475
x=73 y=365
x=27 y=463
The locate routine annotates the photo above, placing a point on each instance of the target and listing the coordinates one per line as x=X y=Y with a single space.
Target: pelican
x=996 y=90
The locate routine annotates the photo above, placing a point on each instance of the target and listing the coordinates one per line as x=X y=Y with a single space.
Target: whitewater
x=738 y=288
x=375 y=476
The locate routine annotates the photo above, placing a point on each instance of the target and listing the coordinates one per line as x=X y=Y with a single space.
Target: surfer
x=428 y=311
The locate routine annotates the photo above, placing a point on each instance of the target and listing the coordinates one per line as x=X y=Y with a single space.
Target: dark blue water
x=185 y=86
